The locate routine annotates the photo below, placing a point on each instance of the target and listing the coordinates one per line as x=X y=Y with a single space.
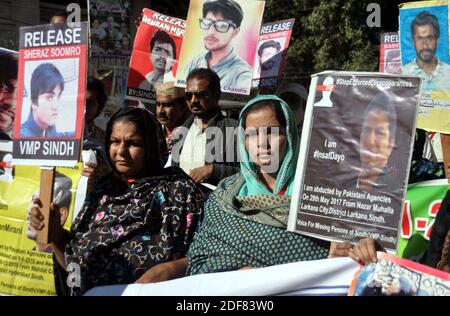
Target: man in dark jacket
x=205 y=147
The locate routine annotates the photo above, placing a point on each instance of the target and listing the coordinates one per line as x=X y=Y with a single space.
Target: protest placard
x=8 y=85
x=51 y=95
x=354 y=159
x=390 y=61
x=222 y=35
x=393 y=276
x=155 y=55
x=424 y=44
x=271 y=53
x=26 y=268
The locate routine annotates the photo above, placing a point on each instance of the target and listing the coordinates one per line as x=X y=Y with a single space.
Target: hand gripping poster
x=354 y=157
x=390 y=61
x=424 y=44
x=51 y=95
x=155 y=55
x=222 y=35
x=26 y=267
x=271 y=53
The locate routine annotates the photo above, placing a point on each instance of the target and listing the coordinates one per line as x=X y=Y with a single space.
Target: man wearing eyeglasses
x=221 y=23
x=171 y=110
x=205 y=148
x=425 y=32
x=8 y=84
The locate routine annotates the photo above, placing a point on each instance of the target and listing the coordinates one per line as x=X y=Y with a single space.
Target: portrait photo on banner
x=222 y=35
x=424 y=44
x=155 y=55
x=268 y=59
x=50 y=98
x=353 y=165
x=424 y=34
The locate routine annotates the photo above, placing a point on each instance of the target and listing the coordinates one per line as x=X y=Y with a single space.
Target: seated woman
x=435 y=256
x=245 y=218
x=138 y=221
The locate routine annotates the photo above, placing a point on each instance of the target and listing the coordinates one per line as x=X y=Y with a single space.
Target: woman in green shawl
x=246 y=216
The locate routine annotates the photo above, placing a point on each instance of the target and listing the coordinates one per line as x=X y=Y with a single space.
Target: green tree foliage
x=331 y=34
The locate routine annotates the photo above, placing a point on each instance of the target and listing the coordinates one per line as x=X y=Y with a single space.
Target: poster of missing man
x=222 y=35
x=271 y=53
x=155 y=55
x=390 y=61
x=51 y=95
x=26 y=267
x=355 y=153
x=424 y=44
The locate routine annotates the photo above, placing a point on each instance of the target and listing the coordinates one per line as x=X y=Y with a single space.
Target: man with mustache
x=425 y=32
x=8 y=84
x=221 y=23
x=171 y=110
x=163 y=53
x=205 y=148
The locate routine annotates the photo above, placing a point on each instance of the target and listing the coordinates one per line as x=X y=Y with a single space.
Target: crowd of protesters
x=149 y=215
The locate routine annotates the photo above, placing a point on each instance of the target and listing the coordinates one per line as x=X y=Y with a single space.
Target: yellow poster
x=23 y=269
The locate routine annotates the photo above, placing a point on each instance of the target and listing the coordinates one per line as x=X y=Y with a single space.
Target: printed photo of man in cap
x=220 y=24
x=268 y=63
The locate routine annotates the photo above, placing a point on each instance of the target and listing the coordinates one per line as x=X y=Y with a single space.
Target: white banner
x=320 y=277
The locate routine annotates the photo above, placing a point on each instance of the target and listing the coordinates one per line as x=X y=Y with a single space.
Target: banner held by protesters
x=51 y=95
x=26 y=266
x=353 y=166
x=271 y=53
x=155 y=55
x=222 y=35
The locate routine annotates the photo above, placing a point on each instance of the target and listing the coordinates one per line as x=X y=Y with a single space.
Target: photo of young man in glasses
x=220 y=24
